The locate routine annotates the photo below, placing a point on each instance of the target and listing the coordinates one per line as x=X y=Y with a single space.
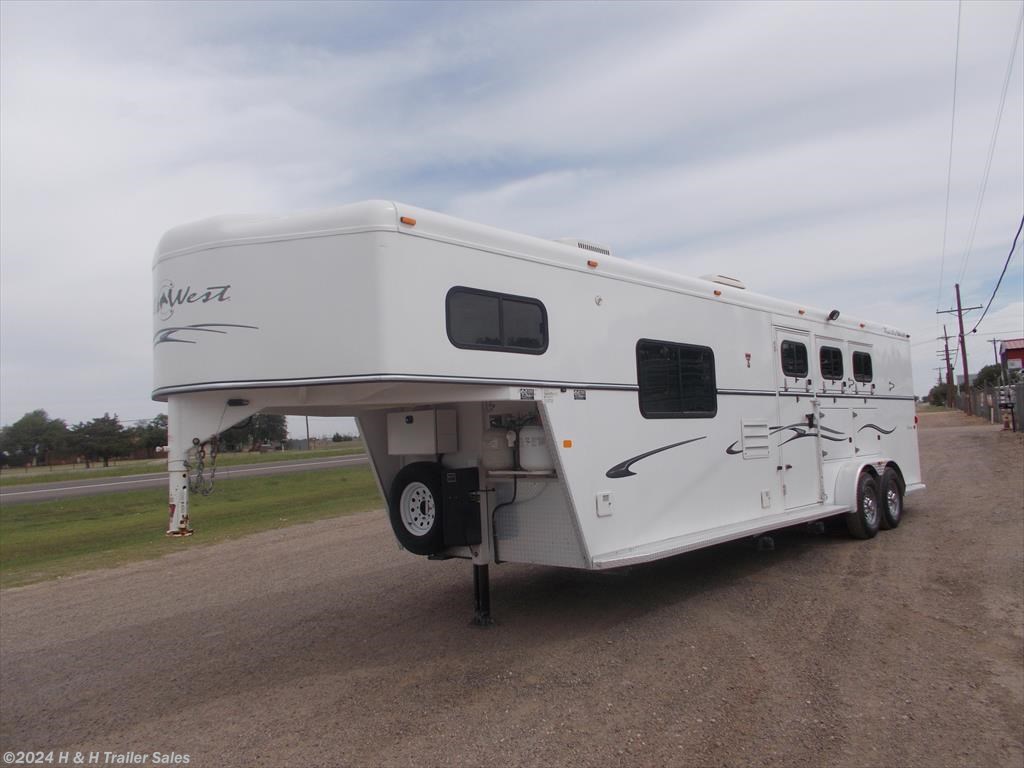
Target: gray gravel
x=323 y=645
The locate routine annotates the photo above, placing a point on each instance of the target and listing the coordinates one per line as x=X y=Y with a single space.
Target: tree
x=102 y=438
x=937 y=394
x=261 y=428
x=989 y=376
x=149 y=436
x=33 y=438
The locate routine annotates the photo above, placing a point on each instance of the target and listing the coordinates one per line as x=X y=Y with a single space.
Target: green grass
x=54 y=538
x=146 y=466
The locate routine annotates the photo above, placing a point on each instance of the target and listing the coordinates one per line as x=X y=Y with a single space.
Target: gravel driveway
x=323 y=645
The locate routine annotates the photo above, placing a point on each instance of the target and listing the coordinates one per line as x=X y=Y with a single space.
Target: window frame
x=821 y=367
x=870 y=375
x=676 y=414
x=501 y=297
x=782 y=359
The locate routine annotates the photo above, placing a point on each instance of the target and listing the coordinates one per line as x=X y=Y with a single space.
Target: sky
x=802 y=147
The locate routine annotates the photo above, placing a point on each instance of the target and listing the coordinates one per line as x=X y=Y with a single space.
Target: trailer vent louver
x=755 y=439
x=575 y=242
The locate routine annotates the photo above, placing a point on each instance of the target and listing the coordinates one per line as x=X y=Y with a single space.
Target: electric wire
x=1001 y=274
x=991 y=147
x=949 y=169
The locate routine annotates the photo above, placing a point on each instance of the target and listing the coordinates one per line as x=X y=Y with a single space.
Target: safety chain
x=197 y=481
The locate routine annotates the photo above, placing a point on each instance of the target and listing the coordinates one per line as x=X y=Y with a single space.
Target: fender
x=846 y=481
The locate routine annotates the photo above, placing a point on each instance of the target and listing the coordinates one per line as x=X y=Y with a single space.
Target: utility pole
x=963 y=344
x=995 y=354
x=950 y=400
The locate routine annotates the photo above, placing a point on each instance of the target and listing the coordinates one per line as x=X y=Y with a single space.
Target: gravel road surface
x=323 y=645
x=84 y=487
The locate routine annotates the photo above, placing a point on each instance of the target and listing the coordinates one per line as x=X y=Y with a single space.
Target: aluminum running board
x=701 y=539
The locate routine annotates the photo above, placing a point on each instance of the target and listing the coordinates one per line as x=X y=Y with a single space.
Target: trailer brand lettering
x=171 y=297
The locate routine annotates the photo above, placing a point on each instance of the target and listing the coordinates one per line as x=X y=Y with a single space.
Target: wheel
x=890 y=496
x=862 y=523
x=415 y=508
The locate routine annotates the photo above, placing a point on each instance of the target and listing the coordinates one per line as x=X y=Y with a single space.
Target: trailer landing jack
x=482 y=596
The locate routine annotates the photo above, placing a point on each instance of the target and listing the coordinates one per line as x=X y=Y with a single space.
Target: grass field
x=55 y=538
x=145 y=466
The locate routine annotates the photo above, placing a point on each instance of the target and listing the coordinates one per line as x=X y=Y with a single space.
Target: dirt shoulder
x=325 y=645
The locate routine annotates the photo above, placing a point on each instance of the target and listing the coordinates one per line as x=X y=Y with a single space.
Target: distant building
x=1011 y=354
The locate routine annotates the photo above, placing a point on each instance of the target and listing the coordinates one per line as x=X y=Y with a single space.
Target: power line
x=1001 y=274
x=949 y=170
x=991 y=147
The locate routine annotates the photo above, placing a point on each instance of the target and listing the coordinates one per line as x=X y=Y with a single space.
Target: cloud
x=799 y=146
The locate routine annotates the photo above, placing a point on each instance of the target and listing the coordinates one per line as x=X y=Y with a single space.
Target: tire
x=890 y=497
x=863 y=522
x=415 y=508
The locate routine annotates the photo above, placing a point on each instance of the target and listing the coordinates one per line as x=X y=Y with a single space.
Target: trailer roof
x=380 y=215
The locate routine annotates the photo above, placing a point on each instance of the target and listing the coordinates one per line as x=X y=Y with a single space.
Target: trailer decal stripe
x=877 y=428
x=165 y=335
x=802 y=430
x=622 y=470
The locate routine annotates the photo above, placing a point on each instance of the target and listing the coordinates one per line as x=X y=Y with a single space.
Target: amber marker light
x=567 y=443
x=591 y=263
x=802 y=312
x=408 y=220
x=718 y=292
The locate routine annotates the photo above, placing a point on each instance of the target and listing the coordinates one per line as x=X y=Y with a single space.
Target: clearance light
x=567 y=443
x=408 y=220
x=717 y=292
x=591 y=263
x=802 y=312
x=862 y=325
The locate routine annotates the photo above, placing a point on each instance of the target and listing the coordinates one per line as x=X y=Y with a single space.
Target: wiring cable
x=949 y=169
x=1001 y=274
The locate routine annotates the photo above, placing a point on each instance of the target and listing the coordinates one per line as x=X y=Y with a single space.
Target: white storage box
x=422 y=432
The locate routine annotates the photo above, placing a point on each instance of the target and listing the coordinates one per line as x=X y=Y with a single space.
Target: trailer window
x=794 y=359
x=862 y=367
x=495 y=321
x=676 y=381
x=831 y=363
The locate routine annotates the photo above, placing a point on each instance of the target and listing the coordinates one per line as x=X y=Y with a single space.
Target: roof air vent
x=732 y=282
x=586 y=245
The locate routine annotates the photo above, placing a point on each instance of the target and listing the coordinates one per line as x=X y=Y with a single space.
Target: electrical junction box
x=422 y=432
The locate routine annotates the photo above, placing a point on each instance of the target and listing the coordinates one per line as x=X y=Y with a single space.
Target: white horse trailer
x=531 y=401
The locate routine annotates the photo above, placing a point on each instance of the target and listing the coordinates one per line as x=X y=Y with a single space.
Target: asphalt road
x=70 y=488
x=324 y=645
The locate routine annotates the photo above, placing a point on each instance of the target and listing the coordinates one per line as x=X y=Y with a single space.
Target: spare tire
x=415 y=508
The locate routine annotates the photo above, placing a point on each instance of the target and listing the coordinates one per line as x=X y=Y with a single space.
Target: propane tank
x=533 y=449
x=495 y=451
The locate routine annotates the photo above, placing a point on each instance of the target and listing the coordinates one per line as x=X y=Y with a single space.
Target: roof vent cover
x=586 y=245
x=732 y=282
